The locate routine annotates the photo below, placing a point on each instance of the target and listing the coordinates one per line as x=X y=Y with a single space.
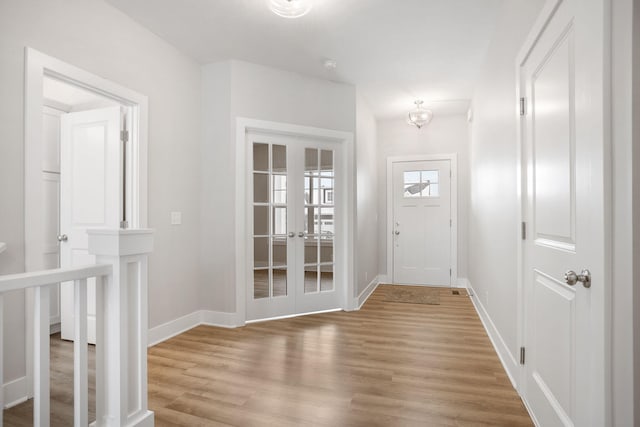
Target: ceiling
x=394 y=51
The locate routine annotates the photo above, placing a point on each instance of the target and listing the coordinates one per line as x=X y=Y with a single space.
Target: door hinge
x=450 y=273
x=124 y=135
x=524 y=230
x=522 y=355
x=523 y=106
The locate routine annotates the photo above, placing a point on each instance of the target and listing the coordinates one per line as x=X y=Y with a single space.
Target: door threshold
x=288 y=316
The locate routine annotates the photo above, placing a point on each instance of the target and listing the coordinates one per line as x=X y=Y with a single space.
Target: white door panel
x=422 y=222
x=564 y=205
x=91 y=195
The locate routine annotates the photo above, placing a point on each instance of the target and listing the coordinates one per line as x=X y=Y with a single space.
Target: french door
x=293 y=215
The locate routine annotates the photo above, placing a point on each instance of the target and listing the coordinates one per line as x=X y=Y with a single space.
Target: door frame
x=38 y=66
x=346 y=203
x=604 y=384
x=453 y=158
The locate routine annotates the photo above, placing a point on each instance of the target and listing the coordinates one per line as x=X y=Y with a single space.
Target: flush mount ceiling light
x=419 y=116
x=290 y=8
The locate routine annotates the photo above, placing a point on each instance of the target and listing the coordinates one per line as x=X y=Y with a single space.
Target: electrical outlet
x=176 y=218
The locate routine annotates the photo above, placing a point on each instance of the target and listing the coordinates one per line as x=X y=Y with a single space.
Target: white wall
x=445 y=134
x=367 y=246
x=95 y=36
x=493 y=219
x=256 y=92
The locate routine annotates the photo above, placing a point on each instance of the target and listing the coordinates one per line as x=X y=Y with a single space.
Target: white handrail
x=12 y=282
x=121 y=330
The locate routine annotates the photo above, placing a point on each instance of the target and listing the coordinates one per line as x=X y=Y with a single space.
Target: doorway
x=55 y=93
x=422 y=220
x=314 y=225
x=295 y=185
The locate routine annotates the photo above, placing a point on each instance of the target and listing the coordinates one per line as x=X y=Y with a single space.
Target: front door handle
x=62 y=238
x=396 y=232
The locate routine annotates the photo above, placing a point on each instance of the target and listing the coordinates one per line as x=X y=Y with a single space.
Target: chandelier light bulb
x=290 y=8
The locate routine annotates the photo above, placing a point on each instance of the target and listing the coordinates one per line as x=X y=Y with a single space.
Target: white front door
x=563 y=134
x=292 y=216
x=422 y=222
x=90 y=195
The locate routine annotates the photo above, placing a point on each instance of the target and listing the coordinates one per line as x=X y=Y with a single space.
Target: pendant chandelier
x=290 y=8
x=419 y=116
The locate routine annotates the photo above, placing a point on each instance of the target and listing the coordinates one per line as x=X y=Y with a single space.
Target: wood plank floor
x=389 y=364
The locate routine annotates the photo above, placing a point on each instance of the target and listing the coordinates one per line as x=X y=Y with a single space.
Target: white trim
x=383 y=278
x=37 y=66
x=15 y=392
x=511 y=366
x=219 y=318
x=175 y=327
x=462 y=283
x=453 y=158
x=366 y=293
x=347 y=203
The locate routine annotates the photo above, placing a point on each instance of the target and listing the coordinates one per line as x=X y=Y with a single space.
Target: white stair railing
x=121 y=330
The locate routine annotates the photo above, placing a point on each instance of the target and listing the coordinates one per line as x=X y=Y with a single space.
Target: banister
x=12 y=282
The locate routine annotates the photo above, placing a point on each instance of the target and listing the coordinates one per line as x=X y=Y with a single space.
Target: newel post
x=121 y=327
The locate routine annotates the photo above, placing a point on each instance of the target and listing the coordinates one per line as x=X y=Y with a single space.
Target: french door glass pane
x=279 y=282
x=279 y=246
x=310 y=160
x=260 y=188
x=326 y=251
x=326 y=278
x=260 y=283
x=310 y=279
x=279 y=163
x=260 y=157
x=261 y=251
x=269 y=220
x=310 y=250
x=261 y=220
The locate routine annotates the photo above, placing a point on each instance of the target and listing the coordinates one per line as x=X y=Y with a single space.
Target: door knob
x=396 y=232
x=301 y=234
x=571 y=278
x=292 y=234
x=62 y=238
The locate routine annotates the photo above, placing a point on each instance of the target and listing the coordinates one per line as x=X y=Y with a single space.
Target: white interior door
x=292 y=218
x=90 y=196
x=562 y=79
x=422 y=222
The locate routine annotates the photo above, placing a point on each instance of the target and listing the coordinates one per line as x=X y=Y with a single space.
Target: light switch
x=176 y=218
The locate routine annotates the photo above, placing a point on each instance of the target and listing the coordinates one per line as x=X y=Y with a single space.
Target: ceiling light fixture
x=420 y=116
x=290 y=8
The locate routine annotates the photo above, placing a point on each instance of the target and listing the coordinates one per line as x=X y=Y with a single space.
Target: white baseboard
x=54 y=328
x=462 y=282
x=15 y=392
x=509 y=363
x=163 y=332
x=218 y=318
x=366 y=293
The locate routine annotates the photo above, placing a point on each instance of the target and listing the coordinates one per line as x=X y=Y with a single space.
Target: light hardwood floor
x=389 y=364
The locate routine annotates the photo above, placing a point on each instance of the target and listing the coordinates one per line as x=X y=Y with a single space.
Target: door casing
x=346 y=204
x=37 y=66
x=453 y=158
